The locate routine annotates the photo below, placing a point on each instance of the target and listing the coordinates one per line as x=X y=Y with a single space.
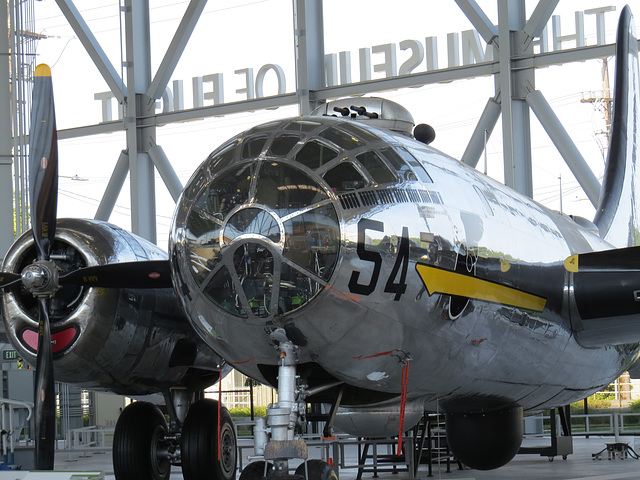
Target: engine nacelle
x=129 y=341
x=485 y=440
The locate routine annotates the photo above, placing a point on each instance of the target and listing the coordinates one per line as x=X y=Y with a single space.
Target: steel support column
x=138 y=105
x=512 y=86
x=6 y=157
x=309 y=51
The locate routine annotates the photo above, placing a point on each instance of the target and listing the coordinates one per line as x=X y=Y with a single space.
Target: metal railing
x=614 y=423
x=14 y=415
x=89 y=438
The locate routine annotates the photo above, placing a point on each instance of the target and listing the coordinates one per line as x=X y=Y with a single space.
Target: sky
x=233 y=35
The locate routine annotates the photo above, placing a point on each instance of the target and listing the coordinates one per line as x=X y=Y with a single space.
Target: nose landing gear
x=283 y=420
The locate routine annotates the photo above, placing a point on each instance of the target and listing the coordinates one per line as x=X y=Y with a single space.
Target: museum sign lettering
x=379 y=61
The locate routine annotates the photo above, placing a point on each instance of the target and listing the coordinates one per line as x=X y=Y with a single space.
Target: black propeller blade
x=43 y=163
x=45 y=401
x=43 y=188
x=146 y=274
x=7 y=279
x=42 y=278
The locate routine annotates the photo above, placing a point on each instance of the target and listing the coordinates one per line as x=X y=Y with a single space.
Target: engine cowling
x=129 y=341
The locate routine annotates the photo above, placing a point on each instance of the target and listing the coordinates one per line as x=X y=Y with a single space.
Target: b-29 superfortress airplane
x=344 y=262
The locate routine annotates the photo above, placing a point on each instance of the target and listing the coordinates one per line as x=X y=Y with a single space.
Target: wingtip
x=43 y=70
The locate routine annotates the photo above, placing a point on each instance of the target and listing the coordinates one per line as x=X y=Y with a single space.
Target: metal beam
x=404 y=81
x=504 y=87
x=483 y=130
x=6 y=157
x=166 y=171
x=478 y=19
x=137 y=105
x=114 y=187
x=177 y=46
x=309 y=51
x=539 y=18
x=565 y=146
x=93 y=48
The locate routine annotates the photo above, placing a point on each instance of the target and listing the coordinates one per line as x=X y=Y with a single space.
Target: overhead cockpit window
x=404 y=171
x=302 y=125
x=253 y=146
x=283 y=144
x=224 y=158
x=417 y=167
x=283 y=187
x=344 y=177
x=359 y=132
x=376 y=168
x=341 y=138
x=315 y=154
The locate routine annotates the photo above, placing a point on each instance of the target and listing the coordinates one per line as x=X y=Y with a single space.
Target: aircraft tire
x=137 y=437
x=255 y=471
x=318 y=470
x=200 y=443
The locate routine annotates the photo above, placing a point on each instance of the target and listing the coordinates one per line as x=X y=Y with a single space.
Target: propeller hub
x=41 y=278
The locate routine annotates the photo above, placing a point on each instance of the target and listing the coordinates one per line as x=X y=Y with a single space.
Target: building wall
x=236 y=392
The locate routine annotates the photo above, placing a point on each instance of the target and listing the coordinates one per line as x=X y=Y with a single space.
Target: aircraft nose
x=261 y=236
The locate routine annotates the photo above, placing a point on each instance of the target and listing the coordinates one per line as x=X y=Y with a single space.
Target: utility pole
x=602 y=101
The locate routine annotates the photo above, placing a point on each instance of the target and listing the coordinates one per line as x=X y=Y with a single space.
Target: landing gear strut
x=283 y=418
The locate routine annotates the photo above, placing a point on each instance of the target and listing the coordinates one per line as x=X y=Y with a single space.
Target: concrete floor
x=578 y=466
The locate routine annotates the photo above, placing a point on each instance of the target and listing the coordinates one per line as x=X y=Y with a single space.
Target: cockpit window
x=313 y=240
x=417 y=167
x=283 y=187
x=341 y=138
x=227 y=191
x=302 y=125
x=399 y=164
x=253 y=146
x=283 y=144
x=344 y=177
x=221 y=290
x=376 y=167
x=315 y=154
x=359 y=132
x=224 y=158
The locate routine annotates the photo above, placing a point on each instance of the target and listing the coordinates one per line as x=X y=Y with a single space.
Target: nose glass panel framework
x=263 y=236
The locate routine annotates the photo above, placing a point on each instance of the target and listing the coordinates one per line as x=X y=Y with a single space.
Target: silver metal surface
x=122 y=340
x=346 y=290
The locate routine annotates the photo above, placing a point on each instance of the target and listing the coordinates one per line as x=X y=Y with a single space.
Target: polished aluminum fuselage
x=368 y=311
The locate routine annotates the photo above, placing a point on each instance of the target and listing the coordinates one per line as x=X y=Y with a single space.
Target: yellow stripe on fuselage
x=437 y=280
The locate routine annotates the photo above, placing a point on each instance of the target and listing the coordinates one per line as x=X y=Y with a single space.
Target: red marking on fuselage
x=242 y=361
x=338 y=293
x=477 y=341
x=381 y=354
